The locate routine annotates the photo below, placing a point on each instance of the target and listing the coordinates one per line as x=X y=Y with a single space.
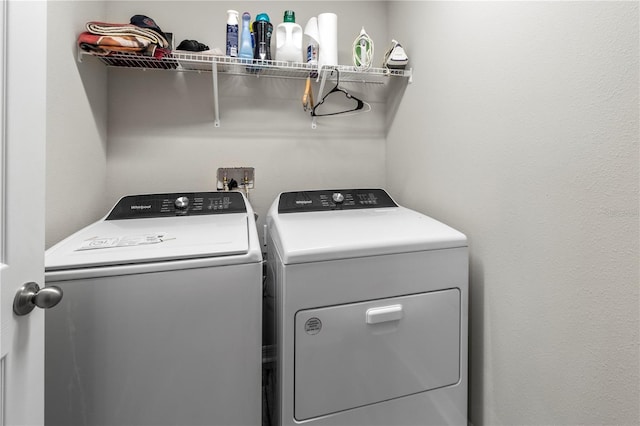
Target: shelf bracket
x=216 y=106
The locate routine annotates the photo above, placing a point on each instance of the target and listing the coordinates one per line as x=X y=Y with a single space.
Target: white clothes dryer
x=370 y=312
x=161 y=319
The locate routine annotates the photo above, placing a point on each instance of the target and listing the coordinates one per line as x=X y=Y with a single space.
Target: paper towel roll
x=328 y=39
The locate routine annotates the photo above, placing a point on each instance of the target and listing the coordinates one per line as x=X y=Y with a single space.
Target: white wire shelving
x=217 y=65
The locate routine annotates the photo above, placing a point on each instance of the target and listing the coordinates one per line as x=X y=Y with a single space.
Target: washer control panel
x=334 y=199
x=177 y=204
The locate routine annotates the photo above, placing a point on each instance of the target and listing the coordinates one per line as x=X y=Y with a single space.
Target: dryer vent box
x=244 y=177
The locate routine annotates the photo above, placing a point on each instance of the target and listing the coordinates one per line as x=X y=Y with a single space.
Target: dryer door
x=358 y=354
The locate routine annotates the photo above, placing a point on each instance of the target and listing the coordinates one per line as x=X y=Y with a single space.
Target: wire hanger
x=360 y=104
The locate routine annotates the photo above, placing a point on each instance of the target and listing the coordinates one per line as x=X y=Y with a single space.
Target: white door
x=23 y=54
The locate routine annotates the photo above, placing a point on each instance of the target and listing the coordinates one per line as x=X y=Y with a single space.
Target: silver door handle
x=31 y=295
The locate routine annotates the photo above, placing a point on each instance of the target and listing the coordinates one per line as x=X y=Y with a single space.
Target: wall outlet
x=244 y=178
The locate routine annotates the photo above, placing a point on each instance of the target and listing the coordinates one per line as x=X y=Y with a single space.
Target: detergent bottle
x=311 y=41
x=262 y=31
x=289 y=39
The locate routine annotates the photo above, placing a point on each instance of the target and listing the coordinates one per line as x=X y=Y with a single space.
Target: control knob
x=337 y=198
x=181 y=203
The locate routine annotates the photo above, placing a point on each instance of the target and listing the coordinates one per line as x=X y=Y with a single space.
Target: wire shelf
x=220 y=65
x=187 y=61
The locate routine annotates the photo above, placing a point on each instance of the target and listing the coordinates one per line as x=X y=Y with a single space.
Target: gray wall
x=161 y=131
x=76 y=123
x=114 y=132
x=521 y=130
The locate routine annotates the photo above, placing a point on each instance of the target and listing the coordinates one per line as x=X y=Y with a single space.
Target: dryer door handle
x=384 y=314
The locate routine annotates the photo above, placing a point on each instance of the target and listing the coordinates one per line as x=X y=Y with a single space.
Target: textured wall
x=161 y=131
x=117 y=132
x=76 y=123
x=521 y=130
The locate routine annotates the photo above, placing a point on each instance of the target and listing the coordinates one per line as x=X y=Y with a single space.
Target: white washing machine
x=161 y=319
x=369 y=305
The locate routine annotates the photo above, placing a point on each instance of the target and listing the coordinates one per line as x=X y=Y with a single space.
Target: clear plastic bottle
x=246 y=41
x=232 y=33
x=289 y=39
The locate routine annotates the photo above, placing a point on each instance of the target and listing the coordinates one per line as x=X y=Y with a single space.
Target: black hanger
x=337 y=88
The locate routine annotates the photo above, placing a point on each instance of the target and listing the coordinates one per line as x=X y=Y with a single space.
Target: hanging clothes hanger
x=307 y=97
x=359 y=104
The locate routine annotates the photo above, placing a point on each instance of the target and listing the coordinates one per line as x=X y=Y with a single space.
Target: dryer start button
x=337 y=197
x=181 y=203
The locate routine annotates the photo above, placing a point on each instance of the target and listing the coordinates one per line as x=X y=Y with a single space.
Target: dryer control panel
x=177 y=204
x=334 y=199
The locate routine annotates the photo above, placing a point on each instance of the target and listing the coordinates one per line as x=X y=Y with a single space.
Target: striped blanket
x=103 y=38
x=108 y=29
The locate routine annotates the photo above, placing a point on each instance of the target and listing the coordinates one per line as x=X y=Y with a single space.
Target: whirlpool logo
x=303 y=202
x=145 y=207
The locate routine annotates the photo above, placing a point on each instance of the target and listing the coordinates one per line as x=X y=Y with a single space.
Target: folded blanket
x=104 y=45
x=128 y=41
x=109 y=29
x=109 y=50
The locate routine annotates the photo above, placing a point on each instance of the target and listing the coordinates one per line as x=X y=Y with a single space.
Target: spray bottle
x=246 y=41
x=232 y=33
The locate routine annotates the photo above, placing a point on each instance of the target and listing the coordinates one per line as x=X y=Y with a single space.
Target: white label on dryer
x=313 y=326
x=124 y=241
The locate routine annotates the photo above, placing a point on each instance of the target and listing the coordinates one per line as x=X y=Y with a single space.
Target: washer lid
x=144 y=240
x=341 y=234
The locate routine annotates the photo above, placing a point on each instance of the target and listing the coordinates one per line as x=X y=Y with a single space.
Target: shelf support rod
x=322 y=76
x=216 y=106
x=323 y=73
